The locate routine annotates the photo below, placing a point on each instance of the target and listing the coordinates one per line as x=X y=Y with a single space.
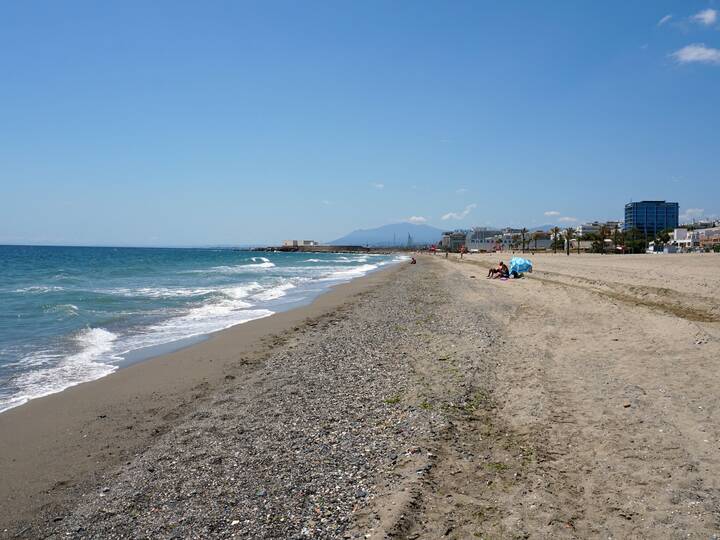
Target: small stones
x=294 y=447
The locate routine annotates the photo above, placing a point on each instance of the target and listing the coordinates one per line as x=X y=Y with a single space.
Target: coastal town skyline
x=217 y=124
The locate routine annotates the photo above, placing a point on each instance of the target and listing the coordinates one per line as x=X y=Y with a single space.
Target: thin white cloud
x=567 y=219
x=378 y=185
x=417 y=219
x=707 y=17
x=326 y=202
x=697 y=53
x=692 y=213
x=664 y=20
x=459 y=215
x=461 y=190
x=552 y=213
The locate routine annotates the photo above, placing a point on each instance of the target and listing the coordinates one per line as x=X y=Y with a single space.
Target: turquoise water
x=74 y=314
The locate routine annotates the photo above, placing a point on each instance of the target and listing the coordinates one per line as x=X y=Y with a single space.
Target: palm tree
x=603 y=233
x=616 y=229
x=556 y=233
x=569 y=233
x=535 y=237
x=523 y=232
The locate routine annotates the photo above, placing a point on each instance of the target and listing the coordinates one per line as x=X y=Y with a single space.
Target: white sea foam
x=39 y=289
x=351 y=273
x=239 y=269
x=53 y=374
x=198 y=321
x=241 y=291
x=156 y=292
x=274 y=292
x=69 y=310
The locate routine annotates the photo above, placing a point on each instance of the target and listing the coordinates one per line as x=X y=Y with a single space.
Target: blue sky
x=178 y=123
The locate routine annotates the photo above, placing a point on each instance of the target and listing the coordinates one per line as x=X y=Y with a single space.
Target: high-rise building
x=651 y=217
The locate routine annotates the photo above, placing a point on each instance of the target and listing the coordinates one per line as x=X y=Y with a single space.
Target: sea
x=74 y=314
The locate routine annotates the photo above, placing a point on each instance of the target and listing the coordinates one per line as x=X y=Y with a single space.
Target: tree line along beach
x=417 y=401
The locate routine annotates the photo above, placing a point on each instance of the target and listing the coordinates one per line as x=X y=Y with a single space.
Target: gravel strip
x=294 y=448
x=288 y=453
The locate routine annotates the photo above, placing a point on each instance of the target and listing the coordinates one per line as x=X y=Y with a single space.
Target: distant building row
x=485 y=239
x=649 y=217
x=684 y=240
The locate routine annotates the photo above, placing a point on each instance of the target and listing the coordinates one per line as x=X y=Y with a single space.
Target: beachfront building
x=709 y=238
x=453 y=240
x=539 y=240
x=595 y=227
x=651 y=217
x=512 y=240
x=482 y=239
x=578 y=245
x=588 y=228
x=300 y=243
x=684 y=240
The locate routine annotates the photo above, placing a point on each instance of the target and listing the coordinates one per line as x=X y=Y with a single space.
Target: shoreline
x=433 y=403
x=132 y=356
x=78 y=434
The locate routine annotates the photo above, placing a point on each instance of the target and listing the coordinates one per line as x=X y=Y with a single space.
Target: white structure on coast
x=300 y=243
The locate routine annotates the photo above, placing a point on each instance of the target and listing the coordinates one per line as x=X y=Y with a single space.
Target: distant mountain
x=391 y=235
x=544 y=228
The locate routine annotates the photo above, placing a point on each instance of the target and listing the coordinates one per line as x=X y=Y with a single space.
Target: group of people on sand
x=501 y=271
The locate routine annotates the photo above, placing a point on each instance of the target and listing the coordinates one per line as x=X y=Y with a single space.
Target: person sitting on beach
x=501 y=271
x=412 y=260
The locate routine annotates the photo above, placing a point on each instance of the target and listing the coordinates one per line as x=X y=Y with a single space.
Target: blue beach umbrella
x=519 y=265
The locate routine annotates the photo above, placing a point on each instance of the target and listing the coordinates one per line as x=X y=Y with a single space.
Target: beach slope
x=425 y=402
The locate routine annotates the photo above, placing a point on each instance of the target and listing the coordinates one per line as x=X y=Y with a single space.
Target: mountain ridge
x=393 y=234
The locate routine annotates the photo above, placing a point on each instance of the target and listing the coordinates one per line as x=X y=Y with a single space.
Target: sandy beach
x=421 y=401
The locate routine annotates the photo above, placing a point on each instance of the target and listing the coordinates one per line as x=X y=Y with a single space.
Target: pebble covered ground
x=296 y=446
